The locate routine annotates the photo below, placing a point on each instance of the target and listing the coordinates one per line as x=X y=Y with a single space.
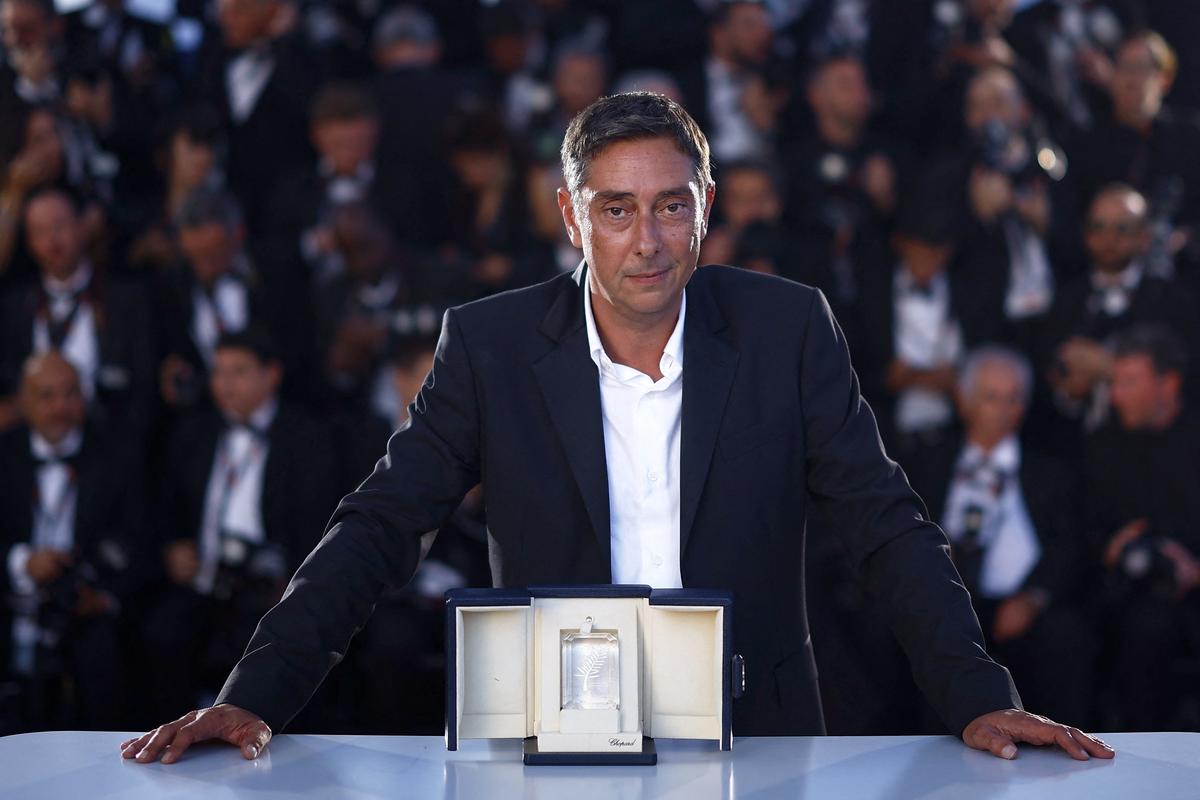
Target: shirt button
x=657 y=561
x=652 y=477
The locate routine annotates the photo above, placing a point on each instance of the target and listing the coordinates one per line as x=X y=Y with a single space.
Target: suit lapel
x=709 y=364
x=569 y=382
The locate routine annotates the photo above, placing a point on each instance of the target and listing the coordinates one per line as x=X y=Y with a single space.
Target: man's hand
x=225 y=722
x=46 y=565
x=999 y=731
x=1187 y=566
x=1127 y=533
x=1016 y=615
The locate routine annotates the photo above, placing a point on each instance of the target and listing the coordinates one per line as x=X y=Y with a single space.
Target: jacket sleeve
x=902 y=557
x=373 y=541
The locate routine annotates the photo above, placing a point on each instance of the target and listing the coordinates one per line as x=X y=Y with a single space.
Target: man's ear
x=710 y=193
x=567 y=207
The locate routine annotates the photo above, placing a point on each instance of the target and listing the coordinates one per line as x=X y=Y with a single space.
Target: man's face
x=245 y=22
x=842 y=92
x=210 y=249
x=23 y=25
x=55 y=235
x=1140 y=394
x=748 y=195
x=639 y=218
x=747 y=34
x=52 y=400
x=995 y=97
x=1138 y=84
x=346 y=143
x=925 y=260
x=241 y=383
x=996 y=406
x=1115 y=232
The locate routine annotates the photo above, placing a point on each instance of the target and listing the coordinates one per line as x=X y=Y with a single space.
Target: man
x=641 y=475
x=843 y=182
x=1144 y=143
x=73 y=509
x=216 y=289
x=100 y=325
x=1116 y=293
x=245 y=490
x=1144 y=513
x=1011 y=517
x=261 y=76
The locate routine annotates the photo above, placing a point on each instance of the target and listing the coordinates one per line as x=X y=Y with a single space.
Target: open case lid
x=682 y=649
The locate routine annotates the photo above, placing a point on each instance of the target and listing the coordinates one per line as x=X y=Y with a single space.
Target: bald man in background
x=72 y=504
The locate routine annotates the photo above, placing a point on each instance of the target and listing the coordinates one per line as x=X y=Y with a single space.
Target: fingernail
x=1009 y=751
x=168 y=758
x=251 y=751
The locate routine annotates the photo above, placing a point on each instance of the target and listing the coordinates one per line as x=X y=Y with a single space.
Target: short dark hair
x=206 y=206
x=255 y=338
x=626 y=117
x=342 y=102
x=1159 y=342
x=68 y=195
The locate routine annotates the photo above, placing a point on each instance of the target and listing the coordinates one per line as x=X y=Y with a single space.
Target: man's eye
x=615 y=212
x=675 y=208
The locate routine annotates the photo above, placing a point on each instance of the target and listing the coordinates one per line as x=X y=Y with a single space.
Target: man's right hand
x=227 y=723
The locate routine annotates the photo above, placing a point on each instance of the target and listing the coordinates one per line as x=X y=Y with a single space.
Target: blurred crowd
x=229 y=229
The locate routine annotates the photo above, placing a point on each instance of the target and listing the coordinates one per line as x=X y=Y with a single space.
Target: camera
x=246 y=565
x=56 y=612
x=1143 y=565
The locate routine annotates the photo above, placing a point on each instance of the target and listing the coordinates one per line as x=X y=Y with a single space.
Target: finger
x=187 y=735
x=998 y=744
x=253 y=739
x=1062 y=735
x=1093 y=746
x=160 y=739
x=134 y=746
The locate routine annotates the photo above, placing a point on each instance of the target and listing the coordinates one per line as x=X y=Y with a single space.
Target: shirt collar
x=44 y=451
x=672 y=357
x=1004 y=457
x=75 y=283
x=260 y=418
x=1128 y=278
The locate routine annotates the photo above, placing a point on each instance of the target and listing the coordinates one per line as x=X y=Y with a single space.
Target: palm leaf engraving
x=592 y=665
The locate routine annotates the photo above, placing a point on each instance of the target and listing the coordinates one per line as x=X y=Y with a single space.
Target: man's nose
x=649 y=235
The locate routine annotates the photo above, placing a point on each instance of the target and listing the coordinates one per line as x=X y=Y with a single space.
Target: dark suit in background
x=190 y=636
x=772 y=421
x=109 y=549
x=1061 y=634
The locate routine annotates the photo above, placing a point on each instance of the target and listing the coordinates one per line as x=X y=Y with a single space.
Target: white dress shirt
x=53 y=510
x=990 y=482
x=641 y=446
x=233 y=500
x=227 y=308
x=926 y=336
x=246 y=76
x=82 y=343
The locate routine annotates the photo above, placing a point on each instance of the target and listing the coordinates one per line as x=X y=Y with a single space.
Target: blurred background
x=229 y=229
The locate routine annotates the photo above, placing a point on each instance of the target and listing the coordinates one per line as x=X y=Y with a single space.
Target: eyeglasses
x=1122 y=228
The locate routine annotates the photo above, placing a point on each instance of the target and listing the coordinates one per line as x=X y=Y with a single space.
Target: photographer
x=70 y=554
x=243 y=502
x=1142 y=475
x=1004 y=184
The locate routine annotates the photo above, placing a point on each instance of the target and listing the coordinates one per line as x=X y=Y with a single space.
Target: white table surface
x=72 y=764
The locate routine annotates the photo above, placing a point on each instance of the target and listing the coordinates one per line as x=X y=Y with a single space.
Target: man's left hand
x=999 y=731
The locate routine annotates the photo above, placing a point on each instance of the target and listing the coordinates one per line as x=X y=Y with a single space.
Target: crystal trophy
x=590 y=675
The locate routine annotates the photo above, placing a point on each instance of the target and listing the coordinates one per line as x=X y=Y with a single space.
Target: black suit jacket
x=110 y=518
x=299 y=480
x=772 y=421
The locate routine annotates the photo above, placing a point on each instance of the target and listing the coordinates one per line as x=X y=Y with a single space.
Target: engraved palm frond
x=591 y=666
